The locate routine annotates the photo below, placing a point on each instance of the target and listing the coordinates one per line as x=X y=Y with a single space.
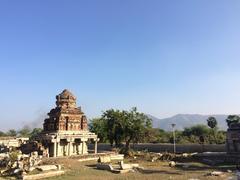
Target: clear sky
x=163 y=56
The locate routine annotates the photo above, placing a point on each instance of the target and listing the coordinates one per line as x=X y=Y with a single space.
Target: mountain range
x=181 y=121
x=187 y=120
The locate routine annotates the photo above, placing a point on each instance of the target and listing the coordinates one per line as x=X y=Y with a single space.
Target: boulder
x=185 y=155
x=172 y=164
x=17 y=171
x=154 y=159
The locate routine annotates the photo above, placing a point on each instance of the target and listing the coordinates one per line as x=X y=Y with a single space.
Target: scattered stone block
x=31 y=169
x=4 y=155
x=172 y=164
x=154 y=159
x=47 y=167
x=43 y=175
x=184 y=165
x=107 y=167
x=119 y=157
x=17 y=171
x=216 y=173
x=89 y=159
x=185 y=155
x=127 y=166
x=104 y=159
x=122 y=171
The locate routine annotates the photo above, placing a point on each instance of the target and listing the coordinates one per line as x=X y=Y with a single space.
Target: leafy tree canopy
x=197 y=130
x=24 y=132
x=118 y=126
x=2 y=134
x=11 y=132
x=212 y=122
x=35 y=132
x=98 y=125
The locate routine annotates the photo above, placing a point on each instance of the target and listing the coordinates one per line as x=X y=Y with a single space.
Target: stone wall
x=233 y=139
x=180 y=148
x=12 y=141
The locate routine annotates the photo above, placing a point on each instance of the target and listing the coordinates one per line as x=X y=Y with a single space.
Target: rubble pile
x=4 y=159
x=153 y=157
x=15 y=163
x=32 y=146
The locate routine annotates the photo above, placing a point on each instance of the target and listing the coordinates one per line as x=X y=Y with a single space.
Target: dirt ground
x=160 y=170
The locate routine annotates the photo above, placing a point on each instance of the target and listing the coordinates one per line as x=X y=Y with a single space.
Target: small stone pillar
x=70 y=148
x=57 y=147
x=95 y=147
x=54 y=149
x=83 y=146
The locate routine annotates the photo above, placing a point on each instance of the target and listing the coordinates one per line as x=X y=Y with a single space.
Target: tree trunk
x=128 y=143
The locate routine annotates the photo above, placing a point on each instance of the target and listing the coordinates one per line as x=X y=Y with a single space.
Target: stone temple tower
x=65 y=116
x=65 y=131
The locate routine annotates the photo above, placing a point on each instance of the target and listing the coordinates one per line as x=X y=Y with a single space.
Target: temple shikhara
x=65 y=131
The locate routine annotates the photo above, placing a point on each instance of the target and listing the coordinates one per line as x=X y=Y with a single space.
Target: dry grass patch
x=76 y=170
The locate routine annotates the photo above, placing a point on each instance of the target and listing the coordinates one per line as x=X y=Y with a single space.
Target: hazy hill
x=186 y=120
x=181 y=121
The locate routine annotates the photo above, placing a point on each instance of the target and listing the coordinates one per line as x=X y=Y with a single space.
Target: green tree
x=99 y=126
x=11 y=132
x=193 y=133
x=196 y=130
x=129 y=126
x=221 y=137
x=231 y=119
x=212 y=123
x=2 y=134
x=35 y=132
x=152 y=136
x=136 y=126
x=24 y=132
x=114 y=120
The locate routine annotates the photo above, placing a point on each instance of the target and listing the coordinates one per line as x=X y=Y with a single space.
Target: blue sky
x=165 y=57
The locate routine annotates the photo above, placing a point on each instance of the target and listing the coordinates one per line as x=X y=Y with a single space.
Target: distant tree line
x=115 y=126
x=121 y=127
x=24 y=132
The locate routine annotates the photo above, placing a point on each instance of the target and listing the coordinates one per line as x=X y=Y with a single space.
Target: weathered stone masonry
x=233 y=138
x=65 y=131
